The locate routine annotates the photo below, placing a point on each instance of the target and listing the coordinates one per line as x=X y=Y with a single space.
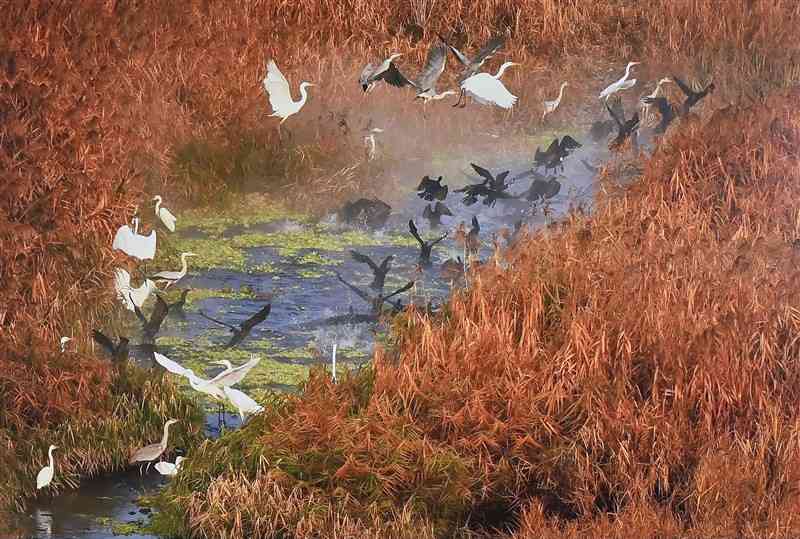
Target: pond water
x=295 y=260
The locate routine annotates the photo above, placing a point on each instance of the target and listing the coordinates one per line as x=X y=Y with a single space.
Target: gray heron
x=385 y=71
x=692 y=97
x=172 y=277
x=473 y=65
x=45 y=475
x=164 y=214
x=621 y=84
x=487 y=89
x=129 y=296
x=646 y=113
x=378 y=272
x=425 y=83
x=551 y=106
x=151 y=452
x=280 y=95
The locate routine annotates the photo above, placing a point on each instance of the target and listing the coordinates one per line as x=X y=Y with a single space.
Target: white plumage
x=621 y=84
x=64 y=341
x=165 y=215
x=172 y=277
x=243 y=402
x=488 y=90
x=122 y=284
x=168 y=468
x=130 y=242
x=280 y=95
x=232 y=376
x=551 y=106
x=45 y=475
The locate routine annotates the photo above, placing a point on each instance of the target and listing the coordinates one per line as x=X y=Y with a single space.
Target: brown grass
x=97 y=99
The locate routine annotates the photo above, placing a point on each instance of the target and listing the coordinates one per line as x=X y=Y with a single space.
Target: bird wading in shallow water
x=45 y=475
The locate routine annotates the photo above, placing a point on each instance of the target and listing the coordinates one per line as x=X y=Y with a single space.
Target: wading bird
x=280 y=95
x=150 y=327
x=621 y=84
x=431 y=190
x=370 y=145
x=665 y=109
x=151 y=452
x=168 y=468
x=131 y=297
x=625 y=129
x=376 y=302
x=379 y=272
x=646 y=113
x=487 y=89
x=551 y=106
x=64 y=341
x=172 y=277
x=243 y=403
x=119 y=352
x=164 y=214
x=692 y=97
x=244 y=329
x=425 y=83
x=425 y=246
x=45 y=475
x=233 y=375
x=130 y=242
x=434 y=215
x=385 y=71
x=471 y=66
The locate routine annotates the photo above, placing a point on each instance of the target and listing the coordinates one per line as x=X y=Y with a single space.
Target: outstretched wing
x=499 y=183
x=364 y=259
x=257 y=318
x=221 y=323
x=414 y=232
x=158 y=315
x=482 y=172
x=366 y=73
x=458 y=54
x=104 y=342
x=398 y=291
x=683 y=86
x=277 y=87
x=569 y=143
x=614 y=117
x=488 y=50
x=393 y=76
x=434 y=66
x=363 y=295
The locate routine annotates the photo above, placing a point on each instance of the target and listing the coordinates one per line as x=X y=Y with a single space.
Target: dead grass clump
x=639 y=378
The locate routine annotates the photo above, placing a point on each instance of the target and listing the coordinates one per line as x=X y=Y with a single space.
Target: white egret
x=280 y=95
x=385 y=71
x=45 y=475
x=131 y=296
x=171 y=366
x=551 y=106
x=232 y=376
x=164 y=214
x=369 y=142
x=151 y=452
x=172 y=277
x=243 y=402
x=130 y=242
x=333 y=362
x=621 y=84
x=168 y=468
x=488 y=90
x=64 y=341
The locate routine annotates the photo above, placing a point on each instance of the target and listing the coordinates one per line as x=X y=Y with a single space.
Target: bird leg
x=459 y=98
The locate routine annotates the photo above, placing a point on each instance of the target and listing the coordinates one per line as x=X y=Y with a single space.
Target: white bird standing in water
x=280 y=95
x=131 y=296
x=551 y=106
x=130 y=242
x=64 y=341
x=164 y=214
x=168 y=468
x=487 y=89
x=45 y=475
x=621 y=84
x=172 y=277
x=245 y=404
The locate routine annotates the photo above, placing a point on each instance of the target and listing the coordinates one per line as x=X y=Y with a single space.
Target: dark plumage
x=118 y=352
x=692 y=97
x=664 y=108
x=553 y=157
x=244 y=329
x=473 y=242
x=602 y=128
x=379 y=272
x=542 y=189
x=625 y=128
x=492 y=188
x=425 y=246
x=471 y=66
x=376 y=302
x=150 y=327
x=372 y=213
x=434 y=215
x=431 y=190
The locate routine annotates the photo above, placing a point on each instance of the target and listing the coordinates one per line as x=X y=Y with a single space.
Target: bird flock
x=482 y=87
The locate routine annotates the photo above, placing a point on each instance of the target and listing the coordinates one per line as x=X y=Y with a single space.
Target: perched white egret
x=164 y=214
x=45 y=475
x=243 y=402
x=64 y=341
x=151 y=452
x=621 y=84
x=131 y=296
x=280 y=95
x=551 y=106
x=488 y=90
x=168 y=468
x=172 y=277
x=232 y=376
x=129 y=241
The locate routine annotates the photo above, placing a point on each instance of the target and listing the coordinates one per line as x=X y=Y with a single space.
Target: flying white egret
x=243 y=402
x=151 y=452
x=130 y=242
x=164 y=214
x=172 y=277
x=128 y=295
x=232 y=376
x=385 y=71
x=171 y=366
x=551 y=106
x=280 y=95
x=621 y=84
x=64 y=341
x=168 y=468
x=488 y=90
x=45 y=475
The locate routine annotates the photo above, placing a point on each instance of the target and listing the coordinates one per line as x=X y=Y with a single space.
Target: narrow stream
x=296 y=261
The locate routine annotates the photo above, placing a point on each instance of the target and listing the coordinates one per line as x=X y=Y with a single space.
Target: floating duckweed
x=199 y=294
x=211 y=253
x=249 y=211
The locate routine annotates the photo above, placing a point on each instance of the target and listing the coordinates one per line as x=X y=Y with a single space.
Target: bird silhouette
x=240 y=333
